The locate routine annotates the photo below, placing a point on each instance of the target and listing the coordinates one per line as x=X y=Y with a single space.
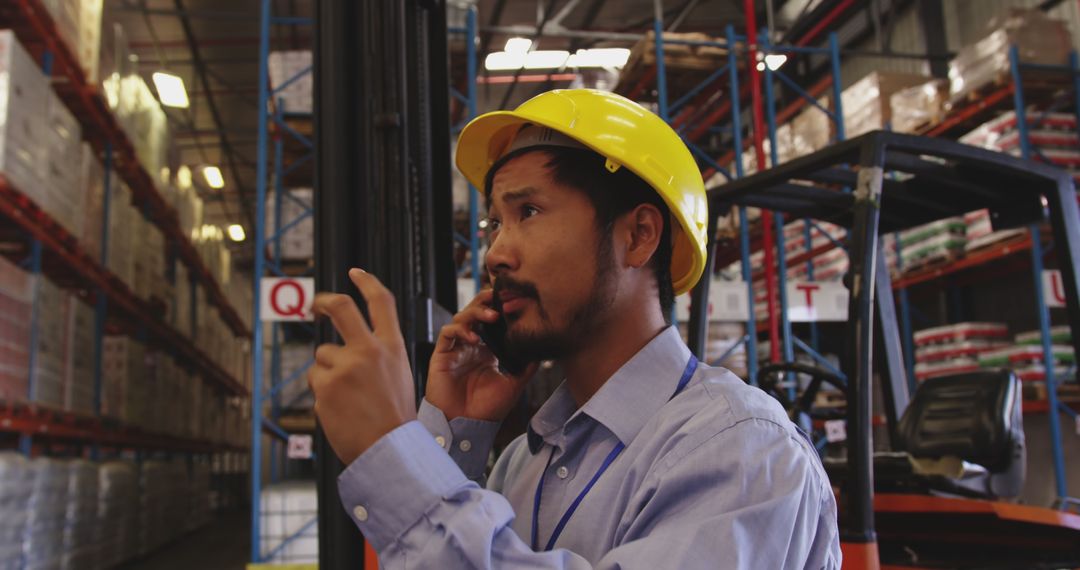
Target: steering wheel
x=770 y=376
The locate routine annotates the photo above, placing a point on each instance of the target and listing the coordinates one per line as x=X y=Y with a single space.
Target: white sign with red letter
x=810 y=301
x=1053 y=289
x=286 y=298
x=727 y=302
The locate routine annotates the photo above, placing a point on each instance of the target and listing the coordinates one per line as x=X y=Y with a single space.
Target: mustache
x=519 y=288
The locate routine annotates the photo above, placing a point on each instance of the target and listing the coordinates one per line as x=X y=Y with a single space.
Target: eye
x=528 y=211
x=490 y=224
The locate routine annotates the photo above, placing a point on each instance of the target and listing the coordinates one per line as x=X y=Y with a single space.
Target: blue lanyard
x=686 y=375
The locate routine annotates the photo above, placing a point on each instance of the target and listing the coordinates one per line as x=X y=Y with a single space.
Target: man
x=643 y=458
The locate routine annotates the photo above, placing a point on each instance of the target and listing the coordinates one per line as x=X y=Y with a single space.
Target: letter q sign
x=286 y=298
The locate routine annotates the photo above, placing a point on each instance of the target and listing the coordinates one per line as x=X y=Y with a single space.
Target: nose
x=502 y=255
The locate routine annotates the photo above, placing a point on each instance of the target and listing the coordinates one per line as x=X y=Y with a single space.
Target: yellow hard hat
x=623 y=132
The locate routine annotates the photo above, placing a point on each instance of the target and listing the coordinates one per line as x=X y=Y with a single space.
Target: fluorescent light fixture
x=171 y=90
x=546 y=59
x=599 y=57
x=518 y=45
x=213 y=177
x=773 y=61
x=504 y=61
x=236 y=232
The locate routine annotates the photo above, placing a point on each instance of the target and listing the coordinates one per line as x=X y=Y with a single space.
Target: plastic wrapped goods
x=118 y=504
x=16 y=296
x=43 y=540
x=80 y=520
x=288 y=508
x=283 y=67
x=920 y=106
x=16 y=484
x=962 y=332
x=1038 y=38
x=867 y=101
x=298 y=242
x=24 y=96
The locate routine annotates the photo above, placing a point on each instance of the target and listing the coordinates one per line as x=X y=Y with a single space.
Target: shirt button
x=465 y=445
x=360 y=513
x=441 y=441
x=562 y=472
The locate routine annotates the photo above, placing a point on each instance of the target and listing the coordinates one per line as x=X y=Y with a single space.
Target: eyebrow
x=515 y=196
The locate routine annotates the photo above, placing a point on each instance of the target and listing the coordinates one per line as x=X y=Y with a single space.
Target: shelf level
x=37 y=32
x=49 y=425
x=68 y=265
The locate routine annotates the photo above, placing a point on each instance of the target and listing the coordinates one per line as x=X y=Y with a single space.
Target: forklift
x=903 y=509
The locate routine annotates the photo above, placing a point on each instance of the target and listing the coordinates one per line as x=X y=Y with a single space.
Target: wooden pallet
x=685 y=65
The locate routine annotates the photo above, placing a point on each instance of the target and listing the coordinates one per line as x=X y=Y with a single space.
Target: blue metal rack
x=263 y=391
x=468 y=98
x=1072 y=70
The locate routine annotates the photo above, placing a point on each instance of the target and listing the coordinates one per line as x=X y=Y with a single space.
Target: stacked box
x=955 y=349
x=123 y=368
x=811 y=129
x=1038 y=38
x=16 y=485
x=148 y=266
x=89 y=52
x=181 y=307
x=867 y=101
x=145 y=123
x=285 y=510
x=198 y=496
x=161 y=503
x=80 y=520
x=61 y=196
x=65 y=15
x=43 y=540
x=980 y=231
x=92 y=184
x=1052 y=137
x=920 y=106
x=118 y=512
x=298 y=242
x=79 y=383
x=114 y=62
x=189 y=208
x=123 y=221
x=16 y=305
x=1028 y=362
x=24 y=96
x=284 y=66
x=50 y=357
x=941 y=240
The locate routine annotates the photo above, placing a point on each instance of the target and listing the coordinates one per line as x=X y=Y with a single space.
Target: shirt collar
x=626 y=400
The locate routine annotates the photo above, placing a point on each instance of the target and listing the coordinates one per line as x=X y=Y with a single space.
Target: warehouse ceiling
x=214 y=47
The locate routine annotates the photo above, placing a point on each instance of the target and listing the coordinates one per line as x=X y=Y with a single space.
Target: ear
x=644 y=224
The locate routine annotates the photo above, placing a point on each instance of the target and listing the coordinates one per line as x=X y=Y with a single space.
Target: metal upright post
x=470 y=87
x=101 y=302
x=838 y=101
x=256 y=319
x=778 y=218
x=759 y=154
x=275 y=328
x=25 y=441
x=1060 y=483
x=658 y=46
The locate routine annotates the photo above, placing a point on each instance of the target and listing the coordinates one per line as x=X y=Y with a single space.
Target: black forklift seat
x=960 y=435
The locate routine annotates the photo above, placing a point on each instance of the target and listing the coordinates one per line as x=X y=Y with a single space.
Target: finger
x=471 y=314
x=453 y=335
x=380 y=301
x=484 y=297
x=316 y=379
x=345 y=315
x=327 y=354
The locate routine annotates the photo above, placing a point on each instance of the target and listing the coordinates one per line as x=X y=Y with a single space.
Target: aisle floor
x=220 y=545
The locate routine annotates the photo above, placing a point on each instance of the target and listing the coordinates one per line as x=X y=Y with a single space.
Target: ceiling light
x=504 y=61
x=170 y=90
x=546 y=59
x=183 y=177
x=774 y=60
x=518 y=45
x=213 y=177
x=236 y=232
x=600 y=57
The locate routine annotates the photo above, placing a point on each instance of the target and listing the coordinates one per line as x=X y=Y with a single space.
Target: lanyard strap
x=691 y=366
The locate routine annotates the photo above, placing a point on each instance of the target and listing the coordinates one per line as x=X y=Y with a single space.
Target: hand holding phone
x=494 y=336
x=472 y=377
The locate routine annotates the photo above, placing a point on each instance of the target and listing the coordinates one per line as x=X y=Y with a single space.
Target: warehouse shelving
x=285 y=159
x=36 y=30
x=66 y=263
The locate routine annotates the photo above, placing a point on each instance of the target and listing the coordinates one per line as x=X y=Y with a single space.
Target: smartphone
x=494 y=336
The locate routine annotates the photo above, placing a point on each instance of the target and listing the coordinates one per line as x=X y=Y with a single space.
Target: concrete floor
x=220 y=545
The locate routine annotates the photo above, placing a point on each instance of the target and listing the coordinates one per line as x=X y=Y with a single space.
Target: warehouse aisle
x=220 y=545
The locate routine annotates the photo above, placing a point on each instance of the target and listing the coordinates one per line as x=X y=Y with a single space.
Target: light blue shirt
x=717 y=477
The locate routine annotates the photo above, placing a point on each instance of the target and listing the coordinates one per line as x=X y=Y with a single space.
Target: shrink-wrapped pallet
x=43 y=539
x=16 y=485
x=80 y=520
x=118 y=508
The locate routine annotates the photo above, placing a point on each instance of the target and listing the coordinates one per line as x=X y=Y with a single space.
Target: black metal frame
x=930 y=179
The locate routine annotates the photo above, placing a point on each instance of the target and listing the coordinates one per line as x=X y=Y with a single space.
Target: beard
x=550 y=341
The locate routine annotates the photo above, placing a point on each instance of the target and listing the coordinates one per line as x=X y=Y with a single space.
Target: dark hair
x=612 y=194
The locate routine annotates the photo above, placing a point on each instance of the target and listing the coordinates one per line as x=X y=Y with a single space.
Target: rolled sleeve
x=391 y=485
x=467 y=440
